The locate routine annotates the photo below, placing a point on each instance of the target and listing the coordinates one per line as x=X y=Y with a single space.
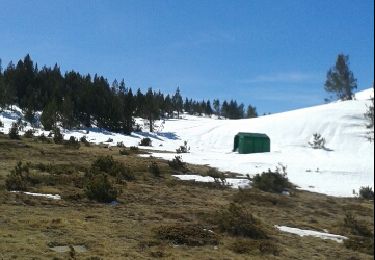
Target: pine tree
x=340 y=80
x=49 y=116
x=177 y=102
x=251 y=112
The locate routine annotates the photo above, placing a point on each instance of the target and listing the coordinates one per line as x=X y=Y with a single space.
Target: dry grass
x=29 y=226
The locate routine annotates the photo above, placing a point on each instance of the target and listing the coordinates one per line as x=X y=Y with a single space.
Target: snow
x=344 y=165
x=306 y=232
x=45 y=195
x=232 y=182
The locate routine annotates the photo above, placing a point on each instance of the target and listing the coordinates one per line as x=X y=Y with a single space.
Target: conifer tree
x=340 y=80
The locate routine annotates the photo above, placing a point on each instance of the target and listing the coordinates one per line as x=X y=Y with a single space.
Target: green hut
x=252 y=143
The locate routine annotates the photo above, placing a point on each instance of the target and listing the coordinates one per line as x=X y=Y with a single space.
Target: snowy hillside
x=346 y=164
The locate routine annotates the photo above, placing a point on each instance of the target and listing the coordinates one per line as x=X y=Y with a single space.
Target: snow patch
x=306 y=232
x=46 y=195
x=232 y=182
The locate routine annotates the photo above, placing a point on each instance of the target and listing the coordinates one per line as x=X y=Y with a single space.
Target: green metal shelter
x=251 y=143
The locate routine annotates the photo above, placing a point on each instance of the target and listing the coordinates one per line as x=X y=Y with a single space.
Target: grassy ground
x=148 y=206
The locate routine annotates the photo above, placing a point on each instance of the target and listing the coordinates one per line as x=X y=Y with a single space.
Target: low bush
x=134 y=148
x=276 y=181
x=238 y=221
x=268 y=247
x=354 y=227
x=366 y=193
x=13 y=132
x=219 y=177
x=317 y=141
x=244 y=246
x=18 y=179
x=1 y=124
x=183 y=148
x=58 y=138
x=154 y=169
x=120 y=144
x=99 y=188
x=177 y=164
x=187 y=234
x=72 y=143
x=29 y=134
x=84 y=140
x=108 y=165
x=109 y=140
x=44 y=139
x=145 y=142
x=360 y=244
x=123 y=152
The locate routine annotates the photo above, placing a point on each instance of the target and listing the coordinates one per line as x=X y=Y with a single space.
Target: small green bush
x=183 y=148
x=268 y=247
x=154 y=169
x=187 y=234
x=244 y=246
x=72 y=143
x=146 y=141
x=58 y=138
x=18 y=179
x=177 y=164
x=366 y=193
x=238 y=221
x=360 y=244
x=84 y=140
x=44 y=139
x=99 y=188
x=29 y=134
x=219 y=177
x=107 y=165
x=123 y=152
x=13 y=132
x=276 y=181
x=355 y=227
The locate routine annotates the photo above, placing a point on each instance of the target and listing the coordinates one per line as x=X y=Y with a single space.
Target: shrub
x=120 y=144
x=116 y=169
x=183 y=148
x=84 y=140
x=13 y=132
x=268 y=247
x=72 y=143
x=355 y=227
x=58 y=138
x=104 y=163
x=272 y=181
x=317 y=141
x=145 y=142
x=18 y=179
x=187 y=234
x=154 y=169
x=177 y=164
x=134 y=148
x=238 y=221
x=123 y=152
x=109 y=140
x=29 y=134
x=99 y=188
x=44 y=139
x=1 y=124
x=244 y=246
x=361 y=244
x=219 y=178
x=366 y=193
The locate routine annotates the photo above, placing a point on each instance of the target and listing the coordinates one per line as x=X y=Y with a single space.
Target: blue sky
x=272 y=54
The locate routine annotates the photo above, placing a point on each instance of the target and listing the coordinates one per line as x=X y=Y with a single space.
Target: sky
x=271 y=54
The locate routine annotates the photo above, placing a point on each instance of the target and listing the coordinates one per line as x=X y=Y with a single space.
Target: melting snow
x=306 y=232
x=234 y=183
x=46 y=195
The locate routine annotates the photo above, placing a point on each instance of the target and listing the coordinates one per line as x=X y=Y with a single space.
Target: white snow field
x=347 y=163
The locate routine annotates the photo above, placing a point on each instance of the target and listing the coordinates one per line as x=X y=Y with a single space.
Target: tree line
x=77 y=100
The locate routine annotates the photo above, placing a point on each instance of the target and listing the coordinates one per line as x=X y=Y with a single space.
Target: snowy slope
x=347 y=164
